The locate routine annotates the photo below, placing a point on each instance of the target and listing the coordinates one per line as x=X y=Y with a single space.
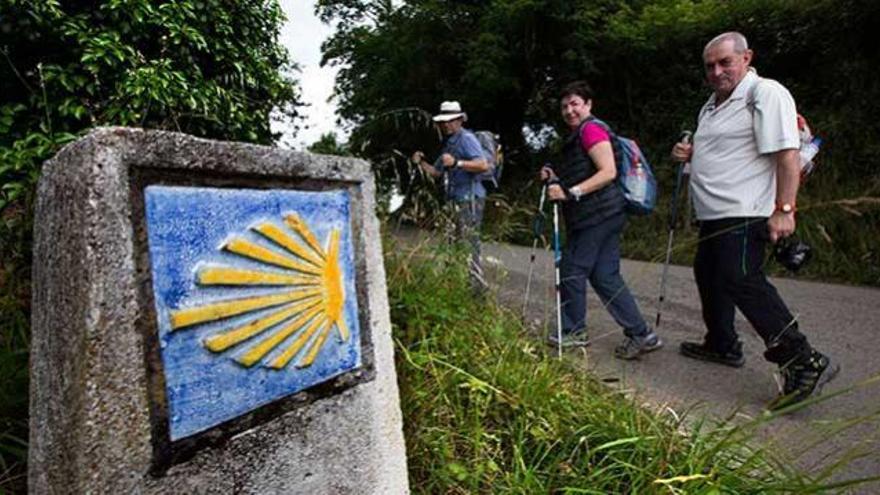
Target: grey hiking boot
x=578 y=338
x=802 y=377
x=633 y=347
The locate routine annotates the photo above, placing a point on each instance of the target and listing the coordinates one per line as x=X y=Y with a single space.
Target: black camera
x=792 y=253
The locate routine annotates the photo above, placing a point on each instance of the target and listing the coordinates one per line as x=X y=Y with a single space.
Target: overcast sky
x=302 y=35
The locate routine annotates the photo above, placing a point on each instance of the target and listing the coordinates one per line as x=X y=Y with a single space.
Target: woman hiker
x=593 y=210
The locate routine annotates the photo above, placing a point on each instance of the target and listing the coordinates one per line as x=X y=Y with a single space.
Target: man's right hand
x=682 y=152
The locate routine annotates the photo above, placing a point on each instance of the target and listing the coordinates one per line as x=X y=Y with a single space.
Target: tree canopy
x=505 y=60
x=206 y=67
x=212 y=68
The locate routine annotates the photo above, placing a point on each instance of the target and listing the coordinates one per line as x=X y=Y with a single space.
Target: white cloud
x=302 y=35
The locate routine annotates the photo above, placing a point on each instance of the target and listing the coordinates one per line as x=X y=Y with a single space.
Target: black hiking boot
x=734 y=357
x=633 y=347
x=802 y=377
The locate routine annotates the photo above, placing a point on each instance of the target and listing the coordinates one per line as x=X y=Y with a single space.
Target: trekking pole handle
x=685 y=137
x=538 y=220
x=543 y=197
x=555 y=181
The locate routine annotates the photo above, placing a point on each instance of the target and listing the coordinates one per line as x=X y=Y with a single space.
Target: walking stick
x=557 y=261
x=673 y=214
x=537 y=231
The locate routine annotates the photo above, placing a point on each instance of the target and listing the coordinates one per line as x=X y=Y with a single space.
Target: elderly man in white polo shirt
x=744 y=181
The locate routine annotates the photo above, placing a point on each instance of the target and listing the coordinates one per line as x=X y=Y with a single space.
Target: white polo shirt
x=733 y=173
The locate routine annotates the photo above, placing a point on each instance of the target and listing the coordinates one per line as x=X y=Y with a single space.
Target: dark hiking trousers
x=729 y=270
x=593 y=253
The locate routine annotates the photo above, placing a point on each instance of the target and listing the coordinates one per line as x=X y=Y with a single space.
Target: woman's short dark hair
x=579 y=88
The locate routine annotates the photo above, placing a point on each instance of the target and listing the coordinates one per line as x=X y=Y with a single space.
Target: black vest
x=576 y=167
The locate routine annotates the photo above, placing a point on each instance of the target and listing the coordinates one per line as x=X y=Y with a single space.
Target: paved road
x=841 y=321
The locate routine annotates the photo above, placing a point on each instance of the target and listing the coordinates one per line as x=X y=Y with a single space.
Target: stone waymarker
x=209 y=318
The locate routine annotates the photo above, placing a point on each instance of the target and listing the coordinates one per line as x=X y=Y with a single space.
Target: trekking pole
x=557 y=261
x=673 y=214
x=537 y=231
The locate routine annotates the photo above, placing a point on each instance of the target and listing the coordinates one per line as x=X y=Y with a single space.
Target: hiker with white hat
x=462 y=160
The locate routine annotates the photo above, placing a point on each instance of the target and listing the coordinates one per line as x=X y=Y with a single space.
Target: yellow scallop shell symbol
x=310 y=307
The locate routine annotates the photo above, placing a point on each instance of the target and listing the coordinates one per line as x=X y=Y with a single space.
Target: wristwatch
x=785 y=208
x=457 y=163
x=575 y=193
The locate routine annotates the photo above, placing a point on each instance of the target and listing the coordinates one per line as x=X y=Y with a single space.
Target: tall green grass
x=486 y=410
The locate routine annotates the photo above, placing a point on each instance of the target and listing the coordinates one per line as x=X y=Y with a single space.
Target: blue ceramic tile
x=200 y=277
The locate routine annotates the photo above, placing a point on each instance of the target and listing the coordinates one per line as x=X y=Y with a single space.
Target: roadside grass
x=13 y=408
x=15 y=230
x=487 y=410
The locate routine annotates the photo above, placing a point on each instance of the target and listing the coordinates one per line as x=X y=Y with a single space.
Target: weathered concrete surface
x=839 y=320
x=90 y=385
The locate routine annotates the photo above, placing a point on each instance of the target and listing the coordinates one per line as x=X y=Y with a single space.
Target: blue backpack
x=492 y=151
x=634 y=175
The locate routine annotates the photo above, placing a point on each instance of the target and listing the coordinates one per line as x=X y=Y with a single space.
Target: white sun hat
x=450 y=110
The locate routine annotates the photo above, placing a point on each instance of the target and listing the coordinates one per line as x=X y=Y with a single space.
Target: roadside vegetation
x=487 y=410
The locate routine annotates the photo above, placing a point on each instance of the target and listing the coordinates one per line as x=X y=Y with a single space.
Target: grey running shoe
x=578 y=338
x=733 y=357
x=633 y=347
x=803 y=376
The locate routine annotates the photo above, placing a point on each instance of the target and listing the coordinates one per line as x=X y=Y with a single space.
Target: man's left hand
x=448 y=160
x=780 y=225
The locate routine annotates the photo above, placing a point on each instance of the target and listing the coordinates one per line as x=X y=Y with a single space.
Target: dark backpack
x=634 y=176
x=492 y=151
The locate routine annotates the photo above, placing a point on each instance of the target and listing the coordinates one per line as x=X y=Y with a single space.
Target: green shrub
x=209 y=67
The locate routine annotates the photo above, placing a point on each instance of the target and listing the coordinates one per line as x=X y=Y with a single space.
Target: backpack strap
x=601 y=123
x=474 y=176
x=750 y=95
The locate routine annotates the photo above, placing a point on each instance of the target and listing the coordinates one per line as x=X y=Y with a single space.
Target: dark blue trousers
x=593 y=253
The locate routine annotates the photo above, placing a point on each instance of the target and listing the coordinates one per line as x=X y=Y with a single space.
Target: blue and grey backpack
x=492 y=151
x=634 y=175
